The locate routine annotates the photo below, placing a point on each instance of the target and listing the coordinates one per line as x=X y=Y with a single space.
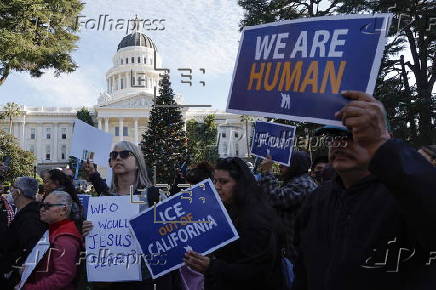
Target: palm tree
x=246 y=119
x=10 y=111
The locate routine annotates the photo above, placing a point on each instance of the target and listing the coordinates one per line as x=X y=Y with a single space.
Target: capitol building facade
x=122 y=110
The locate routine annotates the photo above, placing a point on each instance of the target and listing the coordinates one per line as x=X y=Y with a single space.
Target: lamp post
x=35 y=163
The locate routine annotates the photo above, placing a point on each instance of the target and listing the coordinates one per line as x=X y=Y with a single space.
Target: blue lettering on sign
x=102 y=208
x=112 y=224
x=103 y=241
x=113 y=207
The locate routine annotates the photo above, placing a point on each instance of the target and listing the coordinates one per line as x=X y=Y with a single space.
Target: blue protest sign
x=273 y=139
x=296 y=69
x=84 y=200
x=194 y=219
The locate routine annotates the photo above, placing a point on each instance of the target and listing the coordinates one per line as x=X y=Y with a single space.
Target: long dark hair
x=246 y=192
x=200 y=172
x=65 y=183
x=249 y=203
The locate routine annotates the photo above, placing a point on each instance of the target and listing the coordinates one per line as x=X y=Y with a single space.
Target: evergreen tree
x=21 y=161
x=202 y=140
x=164 y=141
x=36 y=35
x=85 y=116
x=407 y=87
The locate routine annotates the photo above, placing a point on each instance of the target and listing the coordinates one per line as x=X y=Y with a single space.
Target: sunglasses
x=123 y=154
x=46 y=205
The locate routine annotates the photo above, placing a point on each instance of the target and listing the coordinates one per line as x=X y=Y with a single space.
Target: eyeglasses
x=123 y=154
x=46 y=205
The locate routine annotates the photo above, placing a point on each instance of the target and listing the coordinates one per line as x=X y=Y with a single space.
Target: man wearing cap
x=25 y=229
x=374 y=226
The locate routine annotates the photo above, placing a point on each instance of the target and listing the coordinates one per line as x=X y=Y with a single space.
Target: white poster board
x=90 y=143
x=111 y=253
x=34 y=257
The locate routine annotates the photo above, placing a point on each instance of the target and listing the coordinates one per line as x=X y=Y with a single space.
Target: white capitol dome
x=133 y=69
x=123 y=110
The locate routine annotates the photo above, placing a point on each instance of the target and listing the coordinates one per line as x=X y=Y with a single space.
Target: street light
x=35 y=163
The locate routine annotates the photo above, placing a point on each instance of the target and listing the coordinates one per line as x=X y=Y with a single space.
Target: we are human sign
x=296 y=69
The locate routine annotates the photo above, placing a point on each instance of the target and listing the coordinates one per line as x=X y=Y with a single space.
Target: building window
x=237 y=149
x=224 y=149
x=122 y=83
x=64 y=152
x=32 y=133
x=236 y=134
x=223 y=135
x=121 y=61
x=47 y=152
x=139 y=59
x=133 y=59
x=125 y=131
x=117 y=131
x=127 y=60
x=64 y=133
x=145 y=60
x=133 y=81
x=48 y=133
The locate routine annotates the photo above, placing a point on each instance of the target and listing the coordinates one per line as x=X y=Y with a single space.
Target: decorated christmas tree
x=164 y=141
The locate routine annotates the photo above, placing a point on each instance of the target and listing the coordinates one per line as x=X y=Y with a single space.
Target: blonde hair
x=142 y=179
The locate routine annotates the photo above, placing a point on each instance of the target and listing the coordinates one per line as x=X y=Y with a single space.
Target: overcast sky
x=197 y=34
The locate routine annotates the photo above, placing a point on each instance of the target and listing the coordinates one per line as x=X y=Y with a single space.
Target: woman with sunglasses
x=254 y=260
x=55 y=179
x=58 y=267
x=129 y=170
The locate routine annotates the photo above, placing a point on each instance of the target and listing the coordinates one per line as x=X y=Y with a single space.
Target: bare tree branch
x=412 y=45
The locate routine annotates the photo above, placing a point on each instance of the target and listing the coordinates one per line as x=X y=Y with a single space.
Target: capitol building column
x=99 y=123
x=106 y=125
x=55 y=142
x=120 y=131
x=136 y=131
x=128 y=84
x=23 y=132
x=39 y=150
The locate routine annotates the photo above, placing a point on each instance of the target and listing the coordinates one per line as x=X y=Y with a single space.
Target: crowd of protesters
x=363 y=217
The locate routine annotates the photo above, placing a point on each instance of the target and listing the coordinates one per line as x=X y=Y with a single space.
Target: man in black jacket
x=374 y=226
x=25 y=229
